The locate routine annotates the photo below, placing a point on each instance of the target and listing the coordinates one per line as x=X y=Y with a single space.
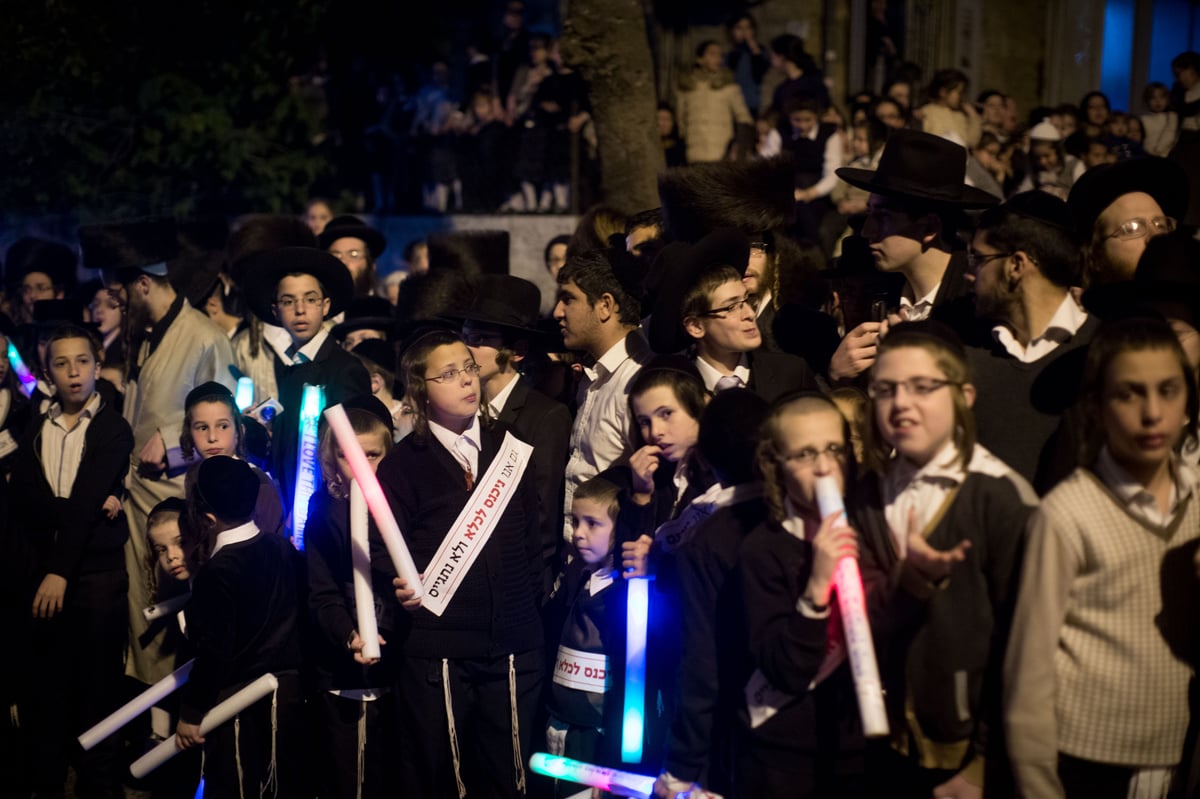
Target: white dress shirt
x=496 y=404
x=920 y=309
x=235 y=535
x=907 y=487
x=62 y=447
x=1062 y=326
x=1138 y=501
x=832 y=160
x=465 y=447
x=711 y=375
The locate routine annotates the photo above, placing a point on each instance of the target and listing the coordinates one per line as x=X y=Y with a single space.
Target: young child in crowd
x=470 y=678
x=243 y=622
x=1161 y=124
x=587 y=602
x=942 y=523
x=355 y=706
x=1103 y=642
x=70 y=558
x=213 y=426
x=803 y=737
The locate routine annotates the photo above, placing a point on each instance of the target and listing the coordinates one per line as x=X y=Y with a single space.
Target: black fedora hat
x=130 y=248
x=923 y=167
x=351 y=227
x=1167 y=272
x=504 y=301
x=678 y=266
x=257 y=233
x=366 y=313
x=265 y=270
x=31 y=254
x=1100 y=186
x=52 y=313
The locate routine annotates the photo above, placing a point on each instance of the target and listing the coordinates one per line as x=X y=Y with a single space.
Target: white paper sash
x=677 y=532
x=583 y=671
x=474 y=526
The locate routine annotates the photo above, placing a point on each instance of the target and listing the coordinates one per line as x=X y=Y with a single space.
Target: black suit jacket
x=546 y=425
x=342 y=375
x=774 y=374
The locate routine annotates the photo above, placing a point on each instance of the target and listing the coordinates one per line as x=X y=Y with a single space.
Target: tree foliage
x=153 y=107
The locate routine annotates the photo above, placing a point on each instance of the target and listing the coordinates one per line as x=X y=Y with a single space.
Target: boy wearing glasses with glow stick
x=298 y=288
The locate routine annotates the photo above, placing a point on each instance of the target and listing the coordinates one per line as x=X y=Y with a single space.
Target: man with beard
x=358 y=246
x=175 y=348
x=1023 y=261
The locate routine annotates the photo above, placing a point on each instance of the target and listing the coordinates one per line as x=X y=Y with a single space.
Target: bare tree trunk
x=606 y=40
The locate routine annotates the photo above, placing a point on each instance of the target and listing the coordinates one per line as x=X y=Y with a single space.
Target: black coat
x=774 y=374
x=343 y=376
x=545 y=425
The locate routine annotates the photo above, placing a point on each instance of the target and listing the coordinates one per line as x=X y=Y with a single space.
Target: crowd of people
x=1000 y=382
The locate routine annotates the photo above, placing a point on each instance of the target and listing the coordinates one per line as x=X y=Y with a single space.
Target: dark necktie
x=296 y=355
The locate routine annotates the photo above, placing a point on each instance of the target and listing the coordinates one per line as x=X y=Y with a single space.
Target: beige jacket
x=707 y=109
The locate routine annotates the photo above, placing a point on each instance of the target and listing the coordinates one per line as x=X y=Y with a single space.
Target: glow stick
x=166 y=607
x=634 y=719
x=214 y=718
x=368 y=483
x=245 y=393
x=307 y=469
x=620 y=783
x=28 y=381
x=853 y=606
x=136 y=706
x=360 y=555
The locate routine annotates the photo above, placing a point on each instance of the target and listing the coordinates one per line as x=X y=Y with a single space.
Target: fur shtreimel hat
x=30 y=254
x=753 y=197
x=131 y=248
x=472 y=252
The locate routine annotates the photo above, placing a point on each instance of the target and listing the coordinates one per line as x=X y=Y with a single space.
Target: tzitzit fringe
x=518 y=761
x=272 y=772
x=454 y=754
x=237 y=754
x=362 y=744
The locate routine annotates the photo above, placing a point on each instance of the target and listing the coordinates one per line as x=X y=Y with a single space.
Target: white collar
x=946 y=465
x=235 y=535
x=314 y=344
x=793 y=520
x=1131 y=492
x=449 y=439
x=710 y=375
x=921 y=306
x=89 y=408
x=763 y=302
x=498 y=402
x=611 y=360
x=1065 y=323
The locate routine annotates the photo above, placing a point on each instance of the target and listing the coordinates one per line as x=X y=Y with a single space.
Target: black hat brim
x=678 y=266
x=263 y=271
x=375 y=241
x=967 y=197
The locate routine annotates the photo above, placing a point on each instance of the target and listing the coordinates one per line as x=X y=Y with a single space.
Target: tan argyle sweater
x=1090 y=669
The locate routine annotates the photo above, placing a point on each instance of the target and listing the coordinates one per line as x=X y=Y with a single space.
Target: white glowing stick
x=853 y=606
x=619 y=783
x=214 y=718
x=245 y=394
x=364 y=475
x=166 y=607
x=633 y=722
x=308 y=470
x=136 y=706
x=360 y=556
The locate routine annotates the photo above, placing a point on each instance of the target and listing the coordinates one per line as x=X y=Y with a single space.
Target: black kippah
x=229 y=487
x=205 y=391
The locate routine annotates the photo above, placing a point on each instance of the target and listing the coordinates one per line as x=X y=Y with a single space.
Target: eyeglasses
x=917 y=386
x=37 y=288
x=352 y=254
x=289 y=303
x=976 y=260
x=733 y=307
x=450 y=375
x=810 y=455
x=1138 y=228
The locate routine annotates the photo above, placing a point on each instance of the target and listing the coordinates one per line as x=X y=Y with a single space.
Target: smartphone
x=879 y=310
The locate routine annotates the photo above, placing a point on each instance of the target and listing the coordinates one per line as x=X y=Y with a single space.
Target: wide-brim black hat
x=366 y=313
x=1100 y=186
x=1167 y=272
x=264 y=271
x=131 y=248
x=52 y=313
x=752 y=197
x=30 y=254
x=678 y=267
x=351 y=227
x=504 y=301
x=923 y=167
x=258 y=233
x=196 y=270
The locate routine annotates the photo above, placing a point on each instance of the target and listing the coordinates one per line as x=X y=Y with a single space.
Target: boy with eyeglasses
x=1118 y=208
x=298 y=288
x=703 y=304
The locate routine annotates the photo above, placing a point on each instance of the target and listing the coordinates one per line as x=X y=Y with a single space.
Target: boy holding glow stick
x=243 y=621
x=356 y=707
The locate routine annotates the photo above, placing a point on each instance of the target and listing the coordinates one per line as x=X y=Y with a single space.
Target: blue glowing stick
x=308 y=470
x=200 y=789
x=28 y=381
x=245 y=393
x=634 y=718
x=618 y=783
